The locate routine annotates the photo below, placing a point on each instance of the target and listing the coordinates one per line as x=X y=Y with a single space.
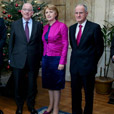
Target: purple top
x=57 y=41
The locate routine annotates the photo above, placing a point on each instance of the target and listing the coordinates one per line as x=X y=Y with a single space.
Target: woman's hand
x=60 y=67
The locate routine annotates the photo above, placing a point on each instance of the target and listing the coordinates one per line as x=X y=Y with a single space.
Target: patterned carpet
x=41 y=110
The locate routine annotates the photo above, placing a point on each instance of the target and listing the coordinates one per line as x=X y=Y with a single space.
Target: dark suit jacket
x=20 y=49
x=2 y=38
x=84 y=58
x=112 y=48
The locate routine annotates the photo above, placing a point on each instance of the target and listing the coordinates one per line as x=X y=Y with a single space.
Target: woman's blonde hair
x=52 y=7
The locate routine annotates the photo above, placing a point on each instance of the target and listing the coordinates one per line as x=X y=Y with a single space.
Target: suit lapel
x=33 y=30
x=20 y=25
x=73 y=34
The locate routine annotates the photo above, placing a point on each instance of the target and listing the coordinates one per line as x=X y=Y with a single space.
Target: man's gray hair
x=85 y=7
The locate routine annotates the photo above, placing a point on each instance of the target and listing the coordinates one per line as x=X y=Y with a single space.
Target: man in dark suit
x=87 y=47
x=25 y=55
x=112 y=49
x=2 y=39
x=2 y=42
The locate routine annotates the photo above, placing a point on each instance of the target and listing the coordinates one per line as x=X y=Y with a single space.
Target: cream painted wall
x=99 y=15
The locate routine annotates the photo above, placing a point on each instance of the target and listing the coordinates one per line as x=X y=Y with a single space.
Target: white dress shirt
x=77 y=28
x=29 y=25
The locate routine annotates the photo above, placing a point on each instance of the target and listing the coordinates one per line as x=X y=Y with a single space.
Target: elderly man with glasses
x=25 y=55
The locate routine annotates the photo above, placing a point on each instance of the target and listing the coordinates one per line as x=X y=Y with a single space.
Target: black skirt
x=52 y=78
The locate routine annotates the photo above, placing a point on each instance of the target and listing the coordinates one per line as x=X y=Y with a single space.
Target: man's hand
x=113 y=57
x=9 y=61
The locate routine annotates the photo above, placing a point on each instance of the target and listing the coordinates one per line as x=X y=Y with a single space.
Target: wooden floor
x=100 y=101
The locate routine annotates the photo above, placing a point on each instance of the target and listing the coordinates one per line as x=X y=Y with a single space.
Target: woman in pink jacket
x=55 y=41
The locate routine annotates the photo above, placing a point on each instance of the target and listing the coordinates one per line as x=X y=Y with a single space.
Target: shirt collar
x=24 y=21
x=83 y=24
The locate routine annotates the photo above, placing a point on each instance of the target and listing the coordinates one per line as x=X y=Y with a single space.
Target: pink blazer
x=57 y=41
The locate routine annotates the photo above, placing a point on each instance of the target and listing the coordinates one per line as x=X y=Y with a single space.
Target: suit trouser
x=88 y=82
x=19 y=77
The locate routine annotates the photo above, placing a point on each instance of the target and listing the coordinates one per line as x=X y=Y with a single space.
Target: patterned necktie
x=79 y=35
x=27 y=31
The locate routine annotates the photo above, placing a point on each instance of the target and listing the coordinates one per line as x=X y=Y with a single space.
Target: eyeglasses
x=29 y=10
x=80 y=13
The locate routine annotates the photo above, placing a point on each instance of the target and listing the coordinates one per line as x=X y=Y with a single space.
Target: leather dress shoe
x=33 y=111
x=1 y=112
x=19 y=111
